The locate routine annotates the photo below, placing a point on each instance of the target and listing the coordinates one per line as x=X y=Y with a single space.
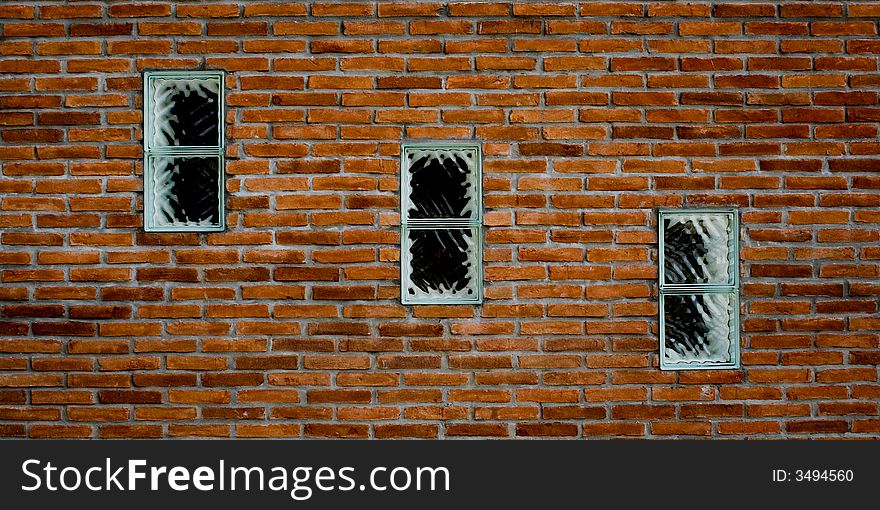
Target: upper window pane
x=184 y=110
x=441 y=182
x=699 y=248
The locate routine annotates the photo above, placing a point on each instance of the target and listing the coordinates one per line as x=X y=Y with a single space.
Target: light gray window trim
x=730 y=287
x=474 y=223
x=153 y=151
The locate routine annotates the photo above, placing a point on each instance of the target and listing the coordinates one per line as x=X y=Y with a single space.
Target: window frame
x=474 y=223
x=151 y=152
x=732 y=288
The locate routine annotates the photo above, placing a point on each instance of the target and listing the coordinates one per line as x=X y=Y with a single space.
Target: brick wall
x=289 y=323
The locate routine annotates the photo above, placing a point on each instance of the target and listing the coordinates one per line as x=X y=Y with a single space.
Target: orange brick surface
x=590 y=114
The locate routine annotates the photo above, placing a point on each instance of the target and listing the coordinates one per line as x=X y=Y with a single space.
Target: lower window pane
x=184 y=192
x=441 y=265
x=699 y=329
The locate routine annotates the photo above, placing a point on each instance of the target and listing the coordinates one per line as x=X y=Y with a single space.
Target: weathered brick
x=293 y=312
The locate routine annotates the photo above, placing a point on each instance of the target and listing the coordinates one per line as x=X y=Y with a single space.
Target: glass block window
x=699 y=288
x=441 y=224
x=183 y=151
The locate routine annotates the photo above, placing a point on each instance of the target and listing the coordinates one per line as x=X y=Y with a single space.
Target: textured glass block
x=441 y=263
x=699 y=328
x=441 y=183
x=698 y=248
x=184 y=191
x=184 y=112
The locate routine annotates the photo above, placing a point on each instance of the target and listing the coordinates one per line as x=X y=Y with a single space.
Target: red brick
x=300 y=293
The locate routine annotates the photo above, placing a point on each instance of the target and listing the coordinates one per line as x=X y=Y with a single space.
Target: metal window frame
x=732 y=288
x=474 y=223
x=151 y=152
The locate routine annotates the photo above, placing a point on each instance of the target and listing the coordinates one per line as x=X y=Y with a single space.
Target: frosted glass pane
x=698 y=249
x=698 y=327
x=441 y=263
x=185 y=191
x=441 y=183
x=185 y=112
